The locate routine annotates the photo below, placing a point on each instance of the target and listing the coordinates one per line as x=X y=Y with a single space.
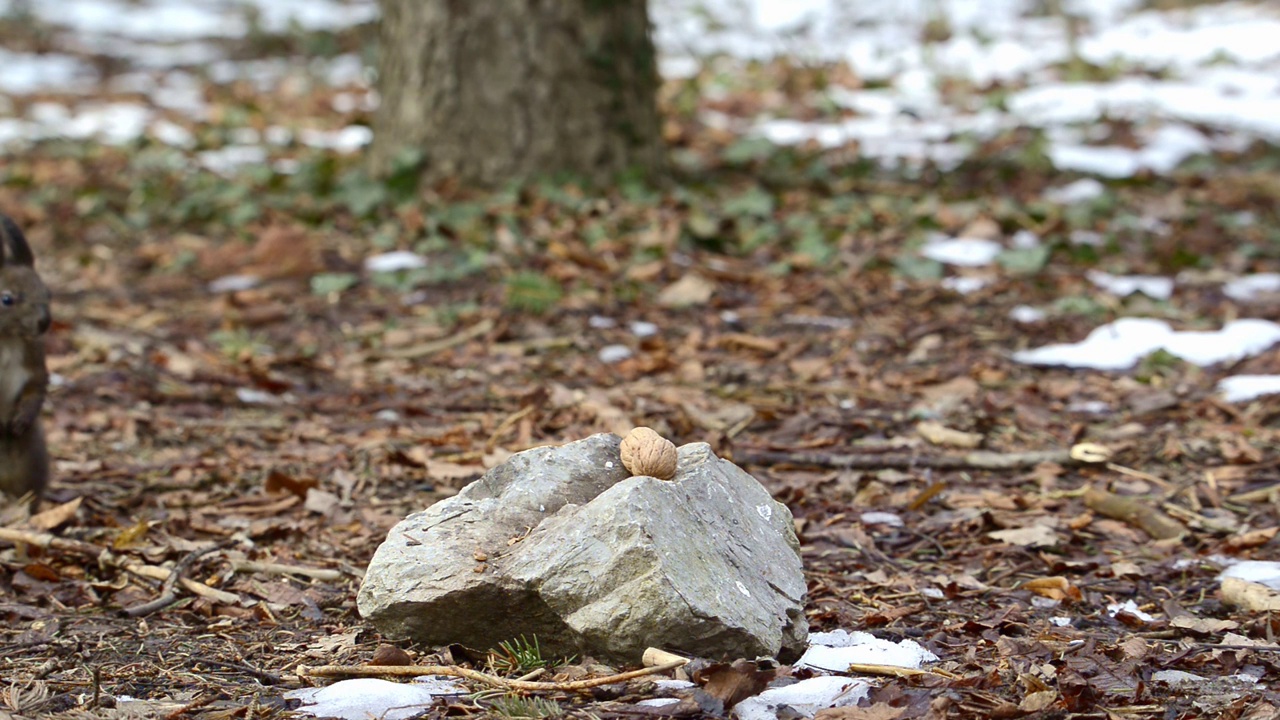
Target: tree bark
x=493 y=91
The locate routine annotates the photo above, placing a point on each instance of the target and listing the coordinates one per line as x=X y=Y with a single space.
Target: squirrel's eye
x=7 y=299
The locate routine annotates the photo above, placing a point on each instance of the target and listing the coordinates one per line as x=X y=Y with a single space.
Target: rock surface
x=560 y=543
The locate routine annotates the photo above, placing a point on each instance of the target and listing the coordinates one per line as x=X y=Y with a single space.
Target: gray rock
x=560 y=543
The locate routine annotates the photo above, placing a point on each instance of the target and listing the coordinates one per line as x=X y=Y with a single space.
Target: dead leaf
x=688 y=291
x=1037 y=701
x=1054 y=588
x=1203 y=625
x=1135 y=512
x=55 y=516
x=1251 y=539
x=280 y=482
x=939 y=434
x=1031 y=536
x=735 y=682
x=1249 y=595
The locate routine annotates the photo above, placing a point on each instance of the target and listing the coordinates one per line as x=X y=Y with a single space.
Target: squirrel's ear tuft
x=14 y=248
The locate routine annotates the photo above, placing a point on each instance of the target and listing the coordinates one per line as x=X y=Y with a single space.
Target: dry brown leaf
x=57 y=515
x=732 y=683
x=1203 y=625
x=1037 y=701
x=1054 y=588
x=280 y=482
x=939 y=434
x=1135 y=512
x=1030 y=536
x=1251 y=539
x=688 y=291
x=1134 y=648
x=1249 y=595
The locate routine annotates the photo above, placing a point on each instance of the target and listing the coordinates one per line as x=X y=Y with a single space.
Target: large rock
x=560 y=543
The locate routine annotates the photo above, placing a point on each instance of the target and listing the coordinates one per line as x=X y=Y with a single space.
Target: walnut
x=645 y=452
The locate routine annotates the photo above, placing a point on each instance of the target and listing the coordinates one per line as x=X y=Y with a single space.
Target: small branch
x=344 y=671
x=415 y=352
x=978 y=460
x=199 y=589
x=322 y=574
x=169 y=592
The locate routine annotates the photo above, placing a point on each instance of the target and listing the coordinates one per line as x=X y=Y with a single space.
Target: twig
x=979 y=460
x=47 y=541
x=195 y=587
x=323 y=574
x=891 y=670
x=343 y=671
x=268 y=678
x=169 y=592
x=431 y=348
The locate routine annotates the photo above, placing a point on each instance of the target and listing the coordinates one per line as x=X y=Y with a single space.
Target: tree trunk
x=493 y=91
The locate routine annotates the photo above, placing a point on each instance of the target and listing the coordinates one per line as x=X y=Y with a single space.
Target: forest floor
x=234 y=385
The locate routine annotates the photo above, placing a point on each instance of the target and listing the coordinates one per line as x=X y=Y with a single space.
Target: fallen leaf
x=939 y=434
x=1249 y=595
x=688 y=291
x=1031 y=536
x=735 y=682
x=1054 y=588
x=55 y=516
x=1037 y=701
x=1203 y=625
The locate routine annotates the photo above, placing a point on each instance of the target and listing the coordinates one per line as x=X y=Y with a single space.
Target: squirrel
x=24 y=379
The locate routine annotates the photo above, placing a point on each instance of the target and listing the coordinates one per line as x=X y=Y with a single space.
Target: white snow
x=1130 y=607
x=835 y=651
x=1155 y=287
x=1251 y=287
x=395 y=261
x=805 y=697
x=363 y=698
x=1119 y=345
x=1263 y=572
x=964 y=252
x=1243 y=388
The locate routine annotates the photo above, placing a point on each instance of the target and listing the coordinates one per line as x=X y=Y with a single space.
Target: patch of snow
x=642 y=329
x=394 y=262
x=1026 y=314
x=881 y=518
x=1129 y=607
x=1119 y=345
x=229 y=159
x=835 y=651
x=1251 y=287
x=1243 y=388
x=806 y=697
x=234 y=283
x=600 y=322
x=965 y=285
x=362 y=698
x=964 y=252
x=1080 y=191
x=1263 y=572
x=611 y=354
x=21 y=73
x=1155 y=287
x=348 y=139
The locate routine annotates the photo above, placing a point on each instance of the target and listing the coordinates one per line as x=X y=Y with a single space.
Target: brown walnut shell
x=645 y=452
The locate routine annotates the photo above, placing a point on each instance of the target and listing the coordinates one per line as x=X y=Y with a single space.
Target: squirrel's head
x=24 y=299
